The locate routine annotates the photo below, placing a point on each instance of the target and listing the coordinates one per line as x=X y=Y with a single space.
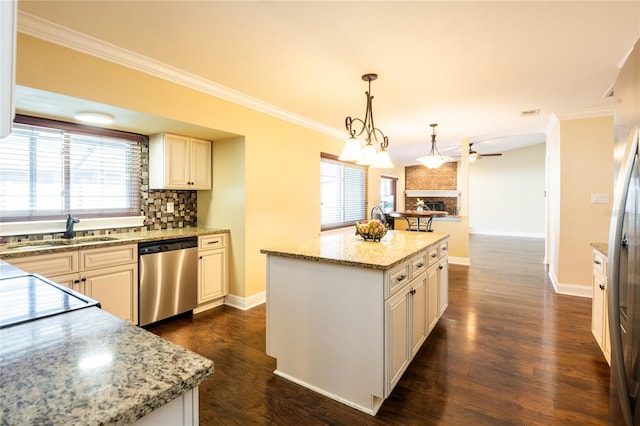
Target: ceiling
x=471 y=67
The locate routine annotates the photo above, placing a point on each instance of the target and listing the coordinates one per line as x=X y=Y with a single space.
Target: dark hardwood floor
x=507 y=351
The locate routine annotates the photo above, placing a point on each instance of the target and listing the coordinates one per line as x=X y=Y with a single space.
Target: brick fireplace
x=437 y=187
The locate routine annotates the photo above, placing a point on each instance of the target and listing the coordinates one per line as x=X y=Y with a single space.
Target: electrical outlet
x=170 y=207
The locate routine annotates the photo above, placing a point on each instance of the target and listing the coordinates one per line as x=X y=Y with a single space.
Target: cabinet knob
x=83 y=279
x=601 y=287
x=412 y=292
x=420 y=265
x=440 y=267
x=401 y=277
x=200 y=257
x=597 y=262
x=76 y=281
x=433 y=255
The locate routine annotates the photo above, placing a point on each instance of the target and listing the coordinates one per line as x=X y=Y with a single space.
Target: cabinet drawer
x=108 y=256
x=444 y=248
x=599 y=263
x=432 y=255
x=418 y=264
x=210 y=242
x=48 y=265
x=396 y=278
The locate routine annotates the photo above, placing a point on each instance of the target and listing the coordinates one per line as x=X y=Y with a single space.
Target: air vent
x=529 y=113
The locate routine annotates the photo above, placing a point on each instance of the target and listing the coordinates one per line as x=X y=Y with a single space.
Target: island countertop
x=346 y=248
x=88 y=367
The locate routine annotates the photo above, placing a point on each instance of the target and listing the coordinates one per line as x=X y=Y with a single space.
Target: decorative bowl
x=371 y=230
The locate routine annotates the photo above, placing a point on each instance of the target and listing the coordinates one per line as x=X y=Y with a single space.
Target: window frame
x=78 y=131
x=364 y=201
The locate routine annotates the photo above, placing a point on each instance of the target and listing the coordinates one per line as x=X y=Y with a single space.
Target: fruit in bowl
x=371 y=229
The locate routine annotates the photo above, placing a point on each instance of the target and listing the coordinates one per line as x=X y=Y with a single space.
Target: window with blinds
x=343 y=192
x=46 y=172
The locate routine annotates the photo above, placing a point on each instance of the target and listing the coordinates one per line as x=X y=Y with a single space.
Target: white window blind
x=343 y=189
x=47 y=172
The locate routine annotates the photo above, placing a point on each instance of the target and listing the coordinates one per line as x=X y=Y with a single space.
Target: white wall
x=506 y=194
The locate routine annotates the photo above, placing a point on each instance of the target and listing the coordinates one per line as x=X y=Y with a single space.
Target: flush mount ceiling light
x=94 y=117
x=434 y=159
x=366 y=153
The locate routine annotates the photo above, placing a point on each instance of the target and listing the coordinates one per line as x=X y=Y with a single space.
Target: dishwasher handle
x=151 y=247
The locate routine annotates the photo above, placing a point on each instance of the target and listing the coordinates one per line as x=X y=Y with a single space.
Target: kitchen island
x=87 y=367
x=346 y=316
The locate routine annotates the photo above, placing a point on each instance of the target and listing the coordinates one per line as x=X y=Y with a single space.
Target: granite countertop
x=88 y=367
x=346 y=248
x=30 y=247
x=603 y=248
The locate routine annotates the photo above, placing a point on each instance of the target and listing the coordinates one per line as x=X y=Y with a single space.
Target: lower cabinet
x=599 y=310
x=413 y=311
x=108 y=275
x=213 y=281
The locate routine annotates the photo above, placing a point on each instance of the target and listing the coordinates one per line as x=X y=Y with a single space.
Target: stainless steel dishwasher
x=167 y=278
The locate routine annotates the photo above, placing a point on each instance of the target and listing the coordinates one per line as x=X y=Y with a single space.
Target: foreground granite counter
x=346 y=248
x=88 y=367
x=40 y=246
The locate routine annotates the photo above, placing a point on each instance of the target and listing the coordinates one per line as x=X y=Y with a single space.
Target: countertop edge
x=346 y=262
x=603 y=248
x=119 y=239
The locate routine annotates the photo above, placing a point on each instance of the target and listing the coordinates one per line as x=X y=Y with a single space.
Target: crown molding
x=49 y=31
x=601 y=111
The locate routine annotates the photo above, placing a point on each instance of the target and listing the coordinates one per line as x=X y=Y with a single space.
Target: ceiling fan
x=474 y=155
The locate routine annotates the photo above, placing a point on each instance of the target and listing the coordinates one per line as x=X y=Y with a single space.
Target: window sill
x=53 y=226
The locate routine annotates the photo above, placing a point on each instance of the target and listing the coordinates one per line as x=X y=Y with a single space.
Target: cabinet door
x=443 y=283
x=418 y=312
x=177 y=161
x=71 y=281
x=116 y=289
x=200 y=176
x=397 y=336
x=433 y=310
x=212 y=275
x=597 y=309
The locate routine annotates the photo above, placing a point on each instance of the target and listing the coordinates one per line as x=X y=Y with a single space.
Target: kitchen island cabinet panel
x=345 y=317
x=325 y=327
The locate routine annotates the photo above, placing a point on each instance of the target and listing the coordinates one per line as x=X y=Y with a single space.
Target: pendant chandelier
x=434 y=159
x=366 y=152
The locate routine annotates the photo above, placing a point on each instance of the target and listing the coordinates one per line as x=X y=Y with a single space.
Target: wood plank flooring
x=507 y=351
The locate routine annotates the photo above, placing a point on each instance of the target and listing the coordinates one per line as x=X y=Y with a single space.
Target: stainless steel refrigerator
x=623 y=275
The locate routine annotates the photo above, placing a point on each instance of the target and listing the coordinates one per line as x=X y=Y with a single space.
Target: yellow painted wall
x=582 y=158
x=273 y=169
x=266 y=182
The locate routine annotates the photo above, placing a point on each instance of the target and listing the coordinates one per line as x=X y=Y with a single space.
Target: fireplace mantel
x=431 y=193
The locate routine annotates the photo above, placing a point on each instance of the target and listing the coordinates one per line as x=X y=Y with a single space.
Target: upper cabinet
x=179 y=162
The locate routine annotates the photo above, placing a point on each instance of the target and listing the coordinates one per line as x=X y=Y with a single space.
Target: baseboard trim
x=459 y=261
x=506 y=234
x=246 y=303
x=570 y=289
x=210 y=305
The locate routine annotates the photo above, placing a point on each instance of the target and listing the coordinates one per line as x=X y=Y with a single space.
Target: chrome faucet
x=69 y=232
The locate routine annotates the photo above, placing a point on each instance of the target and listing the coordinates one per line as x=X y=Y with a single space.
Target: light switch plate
x=600 y=198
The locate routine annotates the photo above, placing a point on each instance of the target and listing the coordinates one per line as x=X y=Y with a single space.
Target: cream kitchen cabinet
x=443 y=277
x=599 y=310
x=213 y=271
x=107 y=274
x=179 y=162
x=342 y=328
x=406 y=326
